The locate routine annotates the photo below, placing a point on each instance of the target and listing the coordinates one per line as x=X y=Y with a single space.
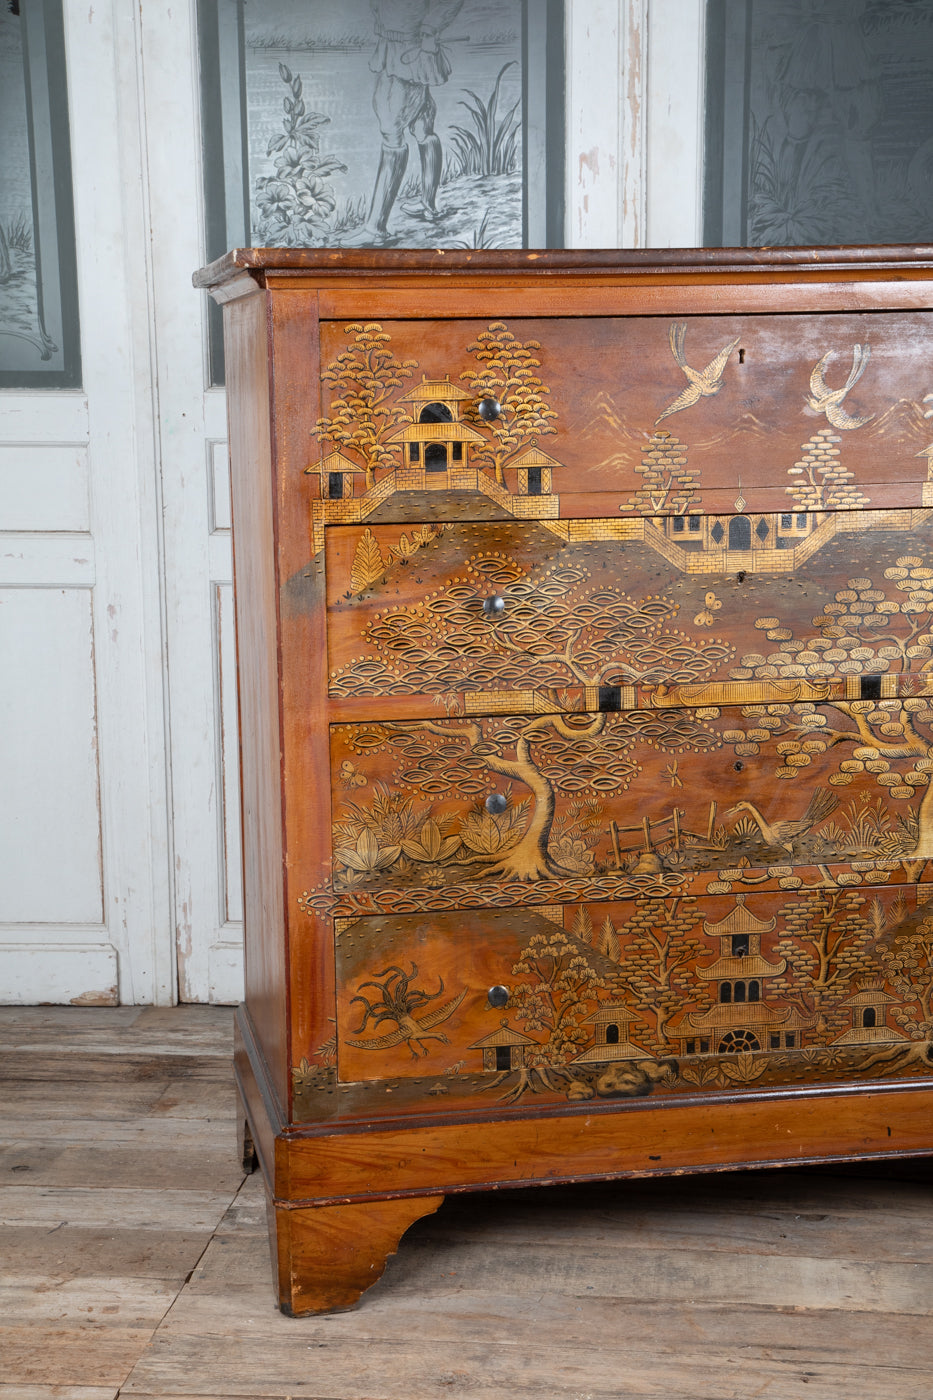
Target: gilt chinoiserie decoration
x=585 y=632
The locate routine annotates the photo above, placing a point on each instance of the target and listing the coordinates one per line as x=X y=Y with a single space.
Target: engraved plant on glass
x=296 y=203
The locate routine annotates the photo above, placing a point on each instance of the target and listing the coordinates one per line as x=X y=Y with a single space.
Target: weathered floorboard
x=776 y=1284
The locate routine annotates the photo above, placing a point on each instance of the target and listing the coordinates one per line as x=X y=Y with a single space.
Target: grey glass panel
x=38 y=302
x=819 y=122
x=382 y=123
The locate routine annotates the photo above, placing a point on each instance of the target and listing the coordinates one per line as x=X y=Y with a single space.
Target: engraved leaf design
x=485 y=832
x=367 y=856
x=699 y=1074
x=430 y=844
x=743 y=1068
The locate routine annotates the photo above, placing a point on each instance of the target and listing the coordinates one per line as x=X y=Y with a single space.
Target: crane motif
x=784 y=833
x=398 y=1002
x=701 y=383
x=822 y=399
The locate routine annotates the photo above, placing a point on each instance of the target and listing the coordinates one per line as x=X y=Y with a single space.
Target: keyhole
x=737 y=767
x=741 y=357
x=740 y=576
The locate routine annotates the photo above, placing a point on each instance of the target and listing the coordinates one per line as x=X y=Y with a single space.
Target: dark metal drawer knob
x=498 y=996
x=494 y=605
x=489 y=409
x=496 y=803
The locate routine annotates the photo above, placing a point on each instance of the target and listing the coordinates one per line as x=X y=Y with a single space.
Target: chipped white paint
x=634 y=117
x=594 y=122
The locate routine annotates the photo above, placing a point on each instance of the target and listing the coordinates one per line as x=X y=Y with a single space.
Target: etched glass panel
x=38 y=301
x=382 y=123
x=819 y=122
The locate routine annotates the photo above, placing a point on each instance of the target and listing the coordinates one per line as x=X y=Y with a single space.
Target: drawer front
x=653 y=415
x=659 y=995
x=511 y=615
x=505 y=808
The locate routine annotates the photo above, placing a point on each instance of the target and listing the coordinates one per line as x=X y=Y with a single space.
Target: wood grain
x=329 y=1255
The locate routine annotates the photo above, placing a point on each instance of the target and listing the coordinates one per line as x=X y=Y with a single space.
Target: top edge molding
x=261 y=263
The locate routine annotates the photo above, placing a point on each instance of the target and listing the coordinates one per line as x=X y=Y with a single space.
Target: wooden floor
x=134 y=1260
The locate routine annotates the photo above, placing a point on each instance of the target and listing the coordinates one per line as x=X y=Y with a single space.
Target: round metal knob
x=498 y=996
x=489 y=409
x=494 y=605
x=496 y=803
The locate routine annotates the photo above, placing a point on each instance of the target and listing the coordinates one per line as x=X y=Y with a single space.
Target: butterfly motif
x=704 y=618
x=350 y=776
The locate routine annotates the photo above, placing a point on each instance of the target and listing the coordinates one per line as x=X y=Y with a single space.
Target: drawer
x=486 y=809
x=650 y=414
x=628 y=604
x=658 y=995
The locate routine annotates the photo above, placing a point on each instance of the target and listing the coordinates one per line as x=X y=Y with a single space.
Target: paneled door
x=84 y=855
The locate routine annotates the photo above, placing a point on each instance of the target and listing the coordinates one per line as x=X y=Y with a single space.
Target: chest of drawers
x=585 y=652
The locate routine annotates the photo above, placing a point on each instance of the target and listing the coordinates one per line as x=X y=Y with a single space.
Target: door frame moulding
x=197 y=559
x=634 y=121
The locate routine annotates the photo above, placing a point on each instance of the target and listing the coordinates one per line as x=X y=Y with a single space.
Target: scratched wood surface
x=135 y=1259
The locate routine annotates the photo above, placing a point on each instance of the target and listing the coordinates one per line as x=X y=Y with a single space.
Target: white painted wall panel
x=50 y=815
x=229 y=754
x=674 y=123
x=46 y=560
x=84 y=975
x=44 y=487
x=221 y=511
x=44 y=416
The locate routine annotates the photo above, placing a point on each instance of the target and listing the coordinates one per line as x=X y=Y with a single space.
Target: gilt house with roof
x=741 y=1018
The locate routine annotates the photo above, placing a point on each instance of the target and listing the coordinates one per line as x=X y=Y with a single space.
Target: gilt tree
x=558 y=628
x=827 y=944
x=868 y=630
x=667 y=483
x=365 y=377
x=908 y=963
x=659 y=950
x=507 y=373
x=556 y=989
x=821 y=481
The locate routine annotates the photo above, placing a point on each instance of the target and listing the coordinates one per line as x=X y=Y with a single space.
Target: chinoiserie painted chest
x=585 y=645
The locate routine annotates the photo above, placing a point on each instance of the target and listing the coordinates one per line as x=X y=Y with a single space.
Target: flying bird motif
x=701 y=383
x=822 y=399
x=398 y=1001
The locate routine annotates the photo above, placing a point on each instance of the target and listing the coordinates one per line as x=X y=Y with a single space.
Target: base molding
x=341 y=1196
